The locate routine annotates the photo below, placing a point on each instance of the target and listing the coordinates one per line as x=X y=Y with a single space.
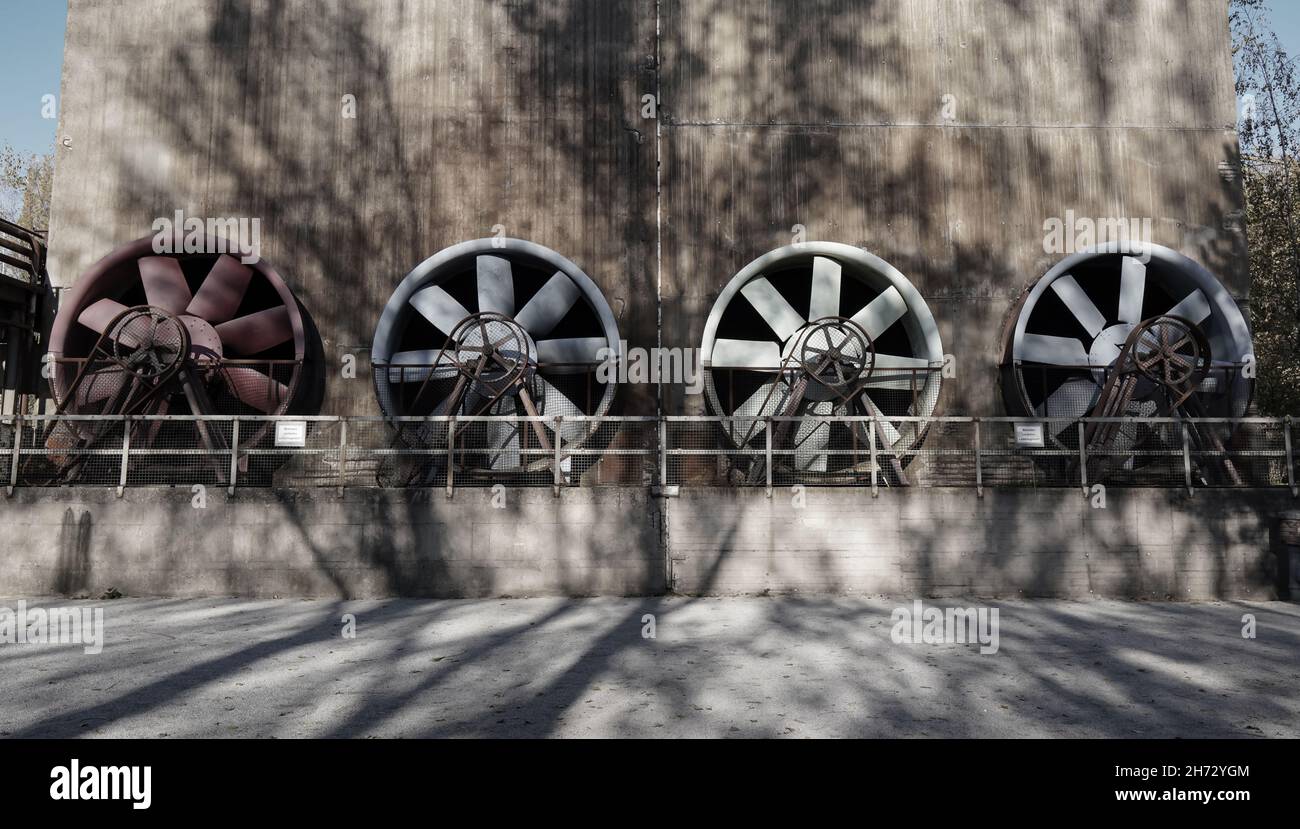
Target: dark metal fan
x=496 y=328
x=148 y=334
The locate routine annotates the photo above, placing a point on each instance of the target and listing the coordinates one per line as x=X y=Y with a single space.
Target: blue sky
x=31 y=60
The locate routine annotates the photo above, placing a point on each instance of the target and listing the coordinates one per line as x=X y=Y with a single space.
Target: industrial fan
x=492 y=330
x=819 y=329
x=1136 y=332
x=148 y=334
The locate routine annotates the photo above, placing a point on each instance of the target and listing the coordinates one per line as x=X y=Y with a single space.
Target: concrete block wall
x=1150 y=544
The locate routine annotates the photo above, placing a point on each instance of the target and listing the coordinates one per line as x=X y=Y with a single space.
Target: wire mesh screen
x=1029 y=454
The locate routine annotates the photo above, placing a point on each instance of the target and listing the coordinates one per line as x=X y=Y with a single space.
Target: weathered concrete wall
x=313 y=543
x=527 y=114
x=374 y=543
x=1148 y=544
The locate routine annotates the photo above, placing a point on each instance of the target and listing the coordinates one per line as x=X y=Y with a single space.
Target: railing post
x=663 y=451
x=343 y=454
x=767 y=455
x=1187 y=459
x=126 y=454
x=234 y=455
x=13 y=461
x=556 y=476
x=1290 y=458
x=1083 y=458
x=875 y=465
x=451 y=456
x=979 y=467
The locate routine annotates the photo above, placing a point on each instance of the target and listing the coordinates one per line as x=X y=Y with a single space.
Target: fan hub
x=495 y=352
x=205 y=343
x=835 y=354
x=1106 y=347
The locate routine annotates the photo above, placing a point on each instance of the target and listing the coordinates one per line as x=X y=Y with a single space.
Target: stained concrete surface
x=727 y=667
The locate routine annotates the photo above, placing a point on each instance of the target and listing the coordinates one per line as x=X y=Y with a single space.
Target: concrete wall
x=527 y=114
x=376 y=543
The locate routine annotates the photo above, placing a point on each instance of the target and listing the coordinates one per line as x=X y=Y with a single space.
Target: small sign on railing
x=290 y=434
x=1030 y=436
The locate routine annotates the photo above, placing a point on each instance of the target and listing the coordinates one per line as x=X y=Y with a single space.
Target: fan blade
x=439 y=307
x=811 y=439
x=555 y=403
x=1058 y=351
x=100 y=315
x=746 y=354
x=884 y=311
x=421 y=365
x=572 y=351
x=218 y=298
x=164 y=284
x=1071 y=401
x=1195 y=308
x=255 y=333
x=1080 y=304
x=825 y=300
x=496 y=285
x=773 y=308
x=884 y=428
x=1132 y=290
x=548 y=306
x=255 y=389
x=892 y=372
x=766 y=402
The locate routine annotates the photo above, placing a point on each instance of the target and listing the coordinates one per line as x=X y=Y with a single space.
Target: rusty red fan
x=245 y=334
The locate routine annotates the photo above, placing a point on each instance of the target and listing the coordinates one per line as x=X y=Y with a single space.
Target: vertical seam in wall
x=659 y=296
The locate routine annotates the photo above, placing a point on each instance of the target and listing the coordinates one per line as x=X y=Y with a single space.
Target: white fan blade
x=496 y=285
x=811 y=439
x=884 y=311
x=1060 y=351
x=548 y=306
x=1132 y=290
x=885 y=429
x=1079 y=303
x=439 y=308
x=1195 y=308
x=825 y=289
x=572 y=351
x=746 y=354
x=773 y=308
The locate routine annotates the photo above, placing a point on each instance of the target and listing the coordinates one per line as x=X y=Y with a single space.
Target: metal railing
x=451 y=452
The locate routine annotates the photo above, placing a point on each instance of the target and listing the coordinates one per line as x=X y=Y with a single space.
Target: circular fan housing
x=768 y=338
x=1074 y=322
x=245 y=338
x=497 y=327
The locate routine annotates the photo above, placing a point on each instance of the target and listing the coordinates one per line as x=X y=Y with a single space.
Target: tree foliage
x=1268 y=93
x=26 y=184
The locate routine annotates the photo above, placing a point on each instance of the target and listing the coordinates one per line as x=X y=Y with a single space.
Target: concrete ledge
x=373 y=543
